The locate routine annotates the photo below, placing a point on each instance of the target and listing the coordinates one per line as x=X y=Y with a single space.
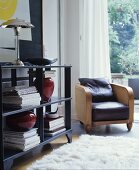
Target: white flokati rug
x=92 y=152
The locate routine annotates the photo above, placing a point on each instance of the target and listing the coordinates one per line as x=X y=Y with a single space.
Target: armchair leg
x=81 y=123
x=88 y=129
x=129 y=126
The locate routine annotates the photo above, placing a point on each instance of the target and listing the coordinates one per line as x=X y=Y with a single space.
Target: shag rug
x=92 y=152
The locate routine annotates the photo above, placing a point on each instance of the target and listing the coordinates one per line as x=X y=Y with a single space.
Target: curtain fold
x=94 y=39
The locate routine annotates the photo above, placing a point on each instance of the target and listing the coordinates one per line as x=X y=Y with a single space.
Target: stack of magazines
x=21 y=140
x=20 y=96
x=53 y=126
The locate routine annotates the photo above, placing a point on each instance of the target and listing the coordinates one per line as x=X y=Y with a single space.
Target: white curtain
x=94 y=39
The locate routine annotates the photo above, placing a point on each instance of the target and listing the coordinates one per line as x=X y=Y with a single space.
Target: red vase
x=21 y=122
x=48 y=88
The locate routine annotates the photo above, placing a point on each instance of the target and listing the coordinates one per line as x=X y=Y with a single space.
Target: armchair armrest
x=125 y=95
x=83 y=100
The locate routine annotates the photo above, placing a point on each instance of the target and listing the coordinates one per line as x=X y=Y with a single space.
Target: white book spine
x=24 y=141
x=52 y=124
x=16 y=134
x=21 y=147
x=55 y=126
x=55 y=133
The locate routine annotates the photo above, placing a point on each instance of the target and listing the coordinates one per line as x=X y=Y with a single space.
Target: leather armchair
x=96 y=106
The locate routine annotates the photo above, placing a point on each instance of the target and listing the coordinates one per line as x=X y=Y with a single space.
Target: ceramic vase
x=21 y=122
x=48 y=88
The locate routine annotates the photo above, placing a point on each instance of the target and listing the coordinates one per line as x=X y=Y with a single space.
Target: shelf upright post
x=48 y=108
x=13 y=77
x=67 y=79
x=40 y=121
x=1 y=124
x=31 y=76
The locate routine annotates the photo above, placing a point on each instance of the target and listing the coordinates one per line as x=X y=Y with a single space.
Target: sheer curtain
x=94 y=39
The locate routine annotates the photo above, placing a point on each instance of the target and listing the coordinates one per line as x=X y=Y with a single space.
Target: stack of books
x=20 y=96
x=21 y=140
x=47 y=73
x=53 y=126
x=50 y=73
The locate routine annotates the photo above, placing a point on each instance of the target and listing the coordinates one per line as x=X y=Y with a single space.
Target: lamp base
x=19 y=63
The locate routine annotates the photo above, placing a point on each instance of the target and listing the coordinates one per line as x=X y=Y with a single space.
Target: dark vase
x=21 y=122
x=48 y=88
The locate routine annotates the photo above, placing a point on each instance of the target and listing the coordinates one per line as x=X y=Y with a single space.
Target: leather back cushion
x=100 y=88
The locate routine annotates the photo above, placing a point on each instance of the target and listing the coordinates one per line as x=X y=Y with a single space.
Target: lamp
x=17 y=24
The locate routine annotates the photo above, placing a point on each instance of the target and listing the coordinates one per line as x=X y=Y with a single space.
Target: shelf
x=33 y=66
x=53 y=101
x=8 y=155
x=50 y=139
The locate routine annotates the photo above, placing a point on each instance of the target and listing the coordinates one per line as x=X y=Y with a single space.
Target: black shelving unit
x=8 y=156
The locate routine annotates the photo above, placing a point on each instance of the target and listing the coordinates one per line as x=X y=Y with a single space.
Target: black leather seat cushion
x=100 y=88
x=104 y=111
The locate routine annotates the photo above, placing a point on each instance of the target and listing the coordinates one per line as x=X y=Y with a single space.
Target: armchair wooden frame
x=83 y=102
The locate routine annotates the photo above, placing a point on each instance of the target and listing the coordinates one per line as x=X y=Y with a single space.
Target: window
x=124 y=36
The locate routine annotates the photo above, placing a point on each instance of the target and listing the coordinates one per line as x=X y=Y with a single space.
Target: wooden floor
x=112 y=130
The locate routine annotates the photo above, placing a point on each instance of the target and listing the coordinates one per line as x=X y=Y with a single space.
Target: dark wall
x=134 y=84
x=34 y=48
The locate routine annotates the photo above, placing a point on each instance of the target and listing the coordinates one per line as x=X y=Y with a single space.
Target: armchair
x=99 y=102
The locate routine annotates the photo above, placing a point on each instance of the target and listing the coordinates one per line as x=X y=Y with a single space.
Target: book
x=25 y=134
x=46 y=73
x=57 y=124
x=22 y=89
x=50 y=122
x=22 y=147
x=54 y=127
x=54 y=133
x=20 y=96
x=15 y=90
x=21 y=101
x=21 y=140
x=32 y=96
x=50 y=73
x=54 y=130
x=19 y=106
x=24 y=141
